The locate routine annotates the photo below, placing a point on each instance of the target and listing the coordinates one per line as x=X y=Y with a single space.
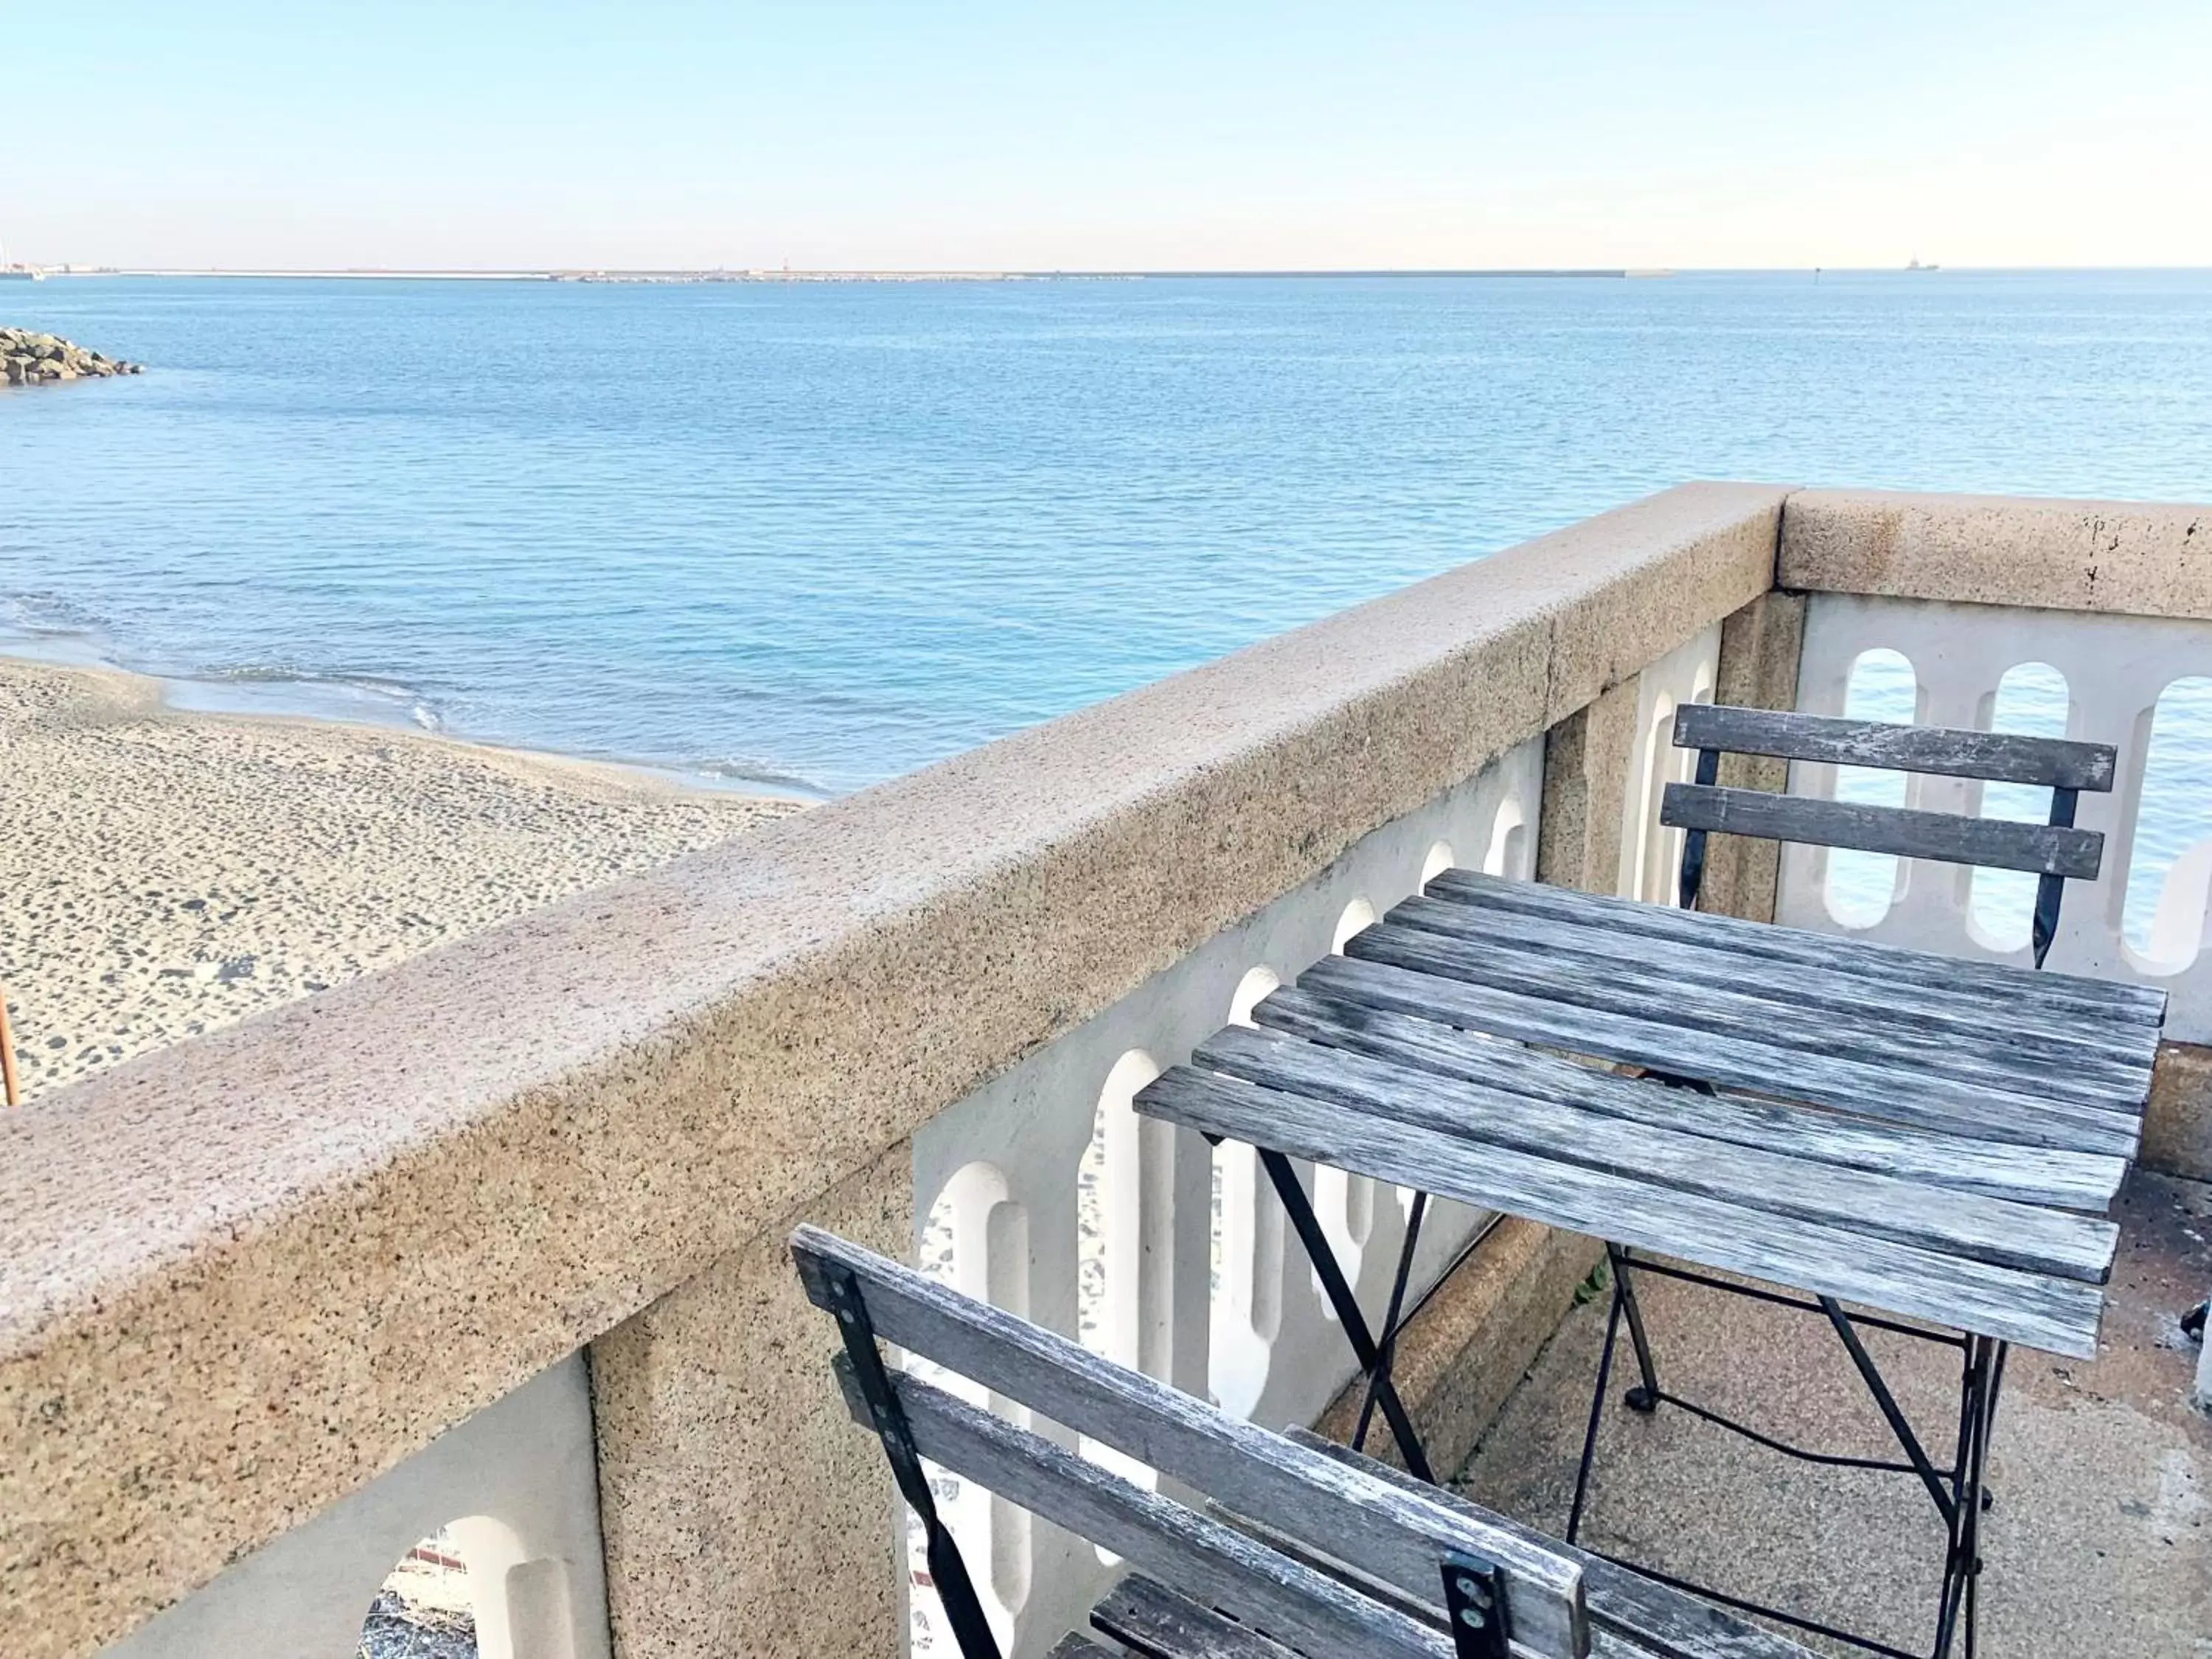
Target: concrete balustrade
x=244 y=1278
x=2116 y=598
x=277 y=1302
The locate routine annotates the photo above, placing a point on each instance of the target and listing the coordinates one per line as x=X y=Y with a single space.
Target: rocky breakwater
x=29 y=359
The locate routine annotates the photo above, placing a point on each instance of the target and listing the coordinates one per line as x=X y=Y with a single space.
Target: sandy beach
x=165 y=873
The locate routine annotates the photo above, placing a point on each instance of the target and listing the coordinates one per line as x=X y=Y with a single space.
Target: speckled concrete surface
x=165 y=874
x=2178 y=1125
x=734 y=1486
x=243 y=1280
x=2100 y=1545
x=2136 y=558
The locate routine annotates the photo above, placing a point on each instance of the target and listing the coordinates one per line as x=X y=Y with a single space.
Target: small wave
x=46 y=615
x=735 y=773
x=285 y=674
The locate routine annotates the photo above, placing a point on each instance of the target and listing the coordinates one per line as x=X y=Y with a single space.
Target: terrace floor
x=2100 y=1544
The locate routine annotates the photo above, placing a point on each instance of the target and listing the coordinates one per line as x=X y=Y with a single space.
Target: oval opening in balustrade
x=1507 y=854
x=471 y=1590
x=1439 y=859
x=1861 y=887
x=976 y=1240
x=2170 y=865
x=1247 y=1305
x=2031 y=700
x=1124 y=1293
x=425 y=1605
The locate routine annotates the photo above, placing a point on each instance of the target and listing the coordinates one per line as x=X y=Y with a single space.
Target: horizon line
x=878 y=273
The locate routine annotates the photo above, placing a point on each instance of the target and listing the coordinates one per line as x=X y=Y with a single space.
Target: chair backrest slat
x=2054 y=851
x=1950 y=751
x=1189 y=1552
x=1992 y=843
x=1396 y=1537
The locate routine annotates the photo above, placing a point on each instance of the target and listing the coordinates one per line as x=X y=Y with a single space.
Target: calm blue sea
x=822 y=534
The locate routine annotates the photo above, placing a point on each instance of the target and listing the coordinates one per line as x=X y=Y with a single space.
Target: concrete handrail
x=241 y=1278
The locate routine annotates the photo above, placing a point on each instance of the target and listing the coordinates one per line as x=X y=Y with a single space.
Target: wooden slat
x=1948 y=838
x=1248 y=1469
x=2031 y=1174
x=1073 y=1646
x=1850 y=1085
x=1643 y=1615
x=2022 y=1236
x=1986 y=1025
x=1950 y=751
x=1756 y=1009
x=1185 y=1551
x=2059 y=1316
x=2115 y=1005
x=1153 y=1622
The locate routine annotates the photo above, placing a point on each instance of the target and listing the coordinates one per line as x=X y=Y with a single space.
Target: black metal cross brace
x=1375 y=1357
x=1959 y=1492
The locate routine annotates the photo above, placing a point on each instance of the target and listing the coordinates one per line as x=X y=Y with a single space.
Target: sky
x=1133 y=135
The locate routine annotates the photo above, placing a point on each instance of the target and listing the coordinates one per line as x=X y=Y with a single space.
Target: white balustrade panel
x=1651 y=855
x=1044 y=1191
x=513 y=1488
x=2116 y=669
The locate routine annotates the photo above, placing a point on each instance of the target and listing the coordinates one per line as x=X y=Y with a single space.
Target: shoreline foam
x=165 y=871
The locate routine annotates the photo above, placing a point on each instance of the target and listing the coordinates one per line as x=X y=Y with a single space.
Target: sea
x=809 y=536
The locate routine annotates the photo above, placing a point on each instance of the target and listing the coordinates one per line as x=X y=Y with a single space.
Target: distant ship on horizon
x=1915 y=265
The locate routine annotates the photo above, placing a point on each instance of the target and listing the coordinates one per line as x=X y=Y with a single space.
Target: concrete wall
x=2124 y=558
x=242 y=1277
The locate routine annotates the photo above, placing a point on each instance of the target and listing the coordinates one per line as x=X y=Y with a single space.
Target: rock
x=34 y=358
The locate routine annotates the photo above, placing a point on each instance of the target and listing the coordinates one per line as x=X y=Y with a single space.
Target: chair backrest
x=1326 y=1559
x=2055 y=851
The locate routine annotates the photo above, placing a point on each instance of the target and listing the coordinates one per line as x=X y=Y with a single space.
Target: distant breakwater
x=32 y=359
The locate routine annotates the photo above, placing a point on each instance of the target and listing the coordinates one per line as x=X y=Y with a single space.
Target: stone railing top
x=242 y=1276
x=2134 y=558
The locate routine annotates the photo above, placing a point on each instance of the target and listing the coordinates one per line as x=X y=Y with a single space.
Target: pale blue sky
x=240 y=133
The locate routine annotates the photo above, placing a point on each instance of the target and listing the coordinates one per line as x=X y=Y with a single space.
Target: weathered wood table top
x=1921 y=1134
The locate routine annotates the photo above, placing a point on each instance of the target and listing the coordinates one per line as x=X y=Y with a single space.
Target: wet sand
x=163 y=873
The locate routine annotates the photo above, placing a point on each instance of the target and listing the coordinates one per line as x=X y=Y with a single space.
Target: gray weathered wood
x=1185 y=1551
x=1948 y=838
x=1153 y=1622
x=2031 y=1174
x=2039 y=1311
x=1073 y=1646
x=1993 y=756
x=1249 y=1470
x=2105 y=1002
x=1850 y=1085
x=1755 y=1009
x=1645 y=1616
x=1983 y=1024
x=2022 y=1236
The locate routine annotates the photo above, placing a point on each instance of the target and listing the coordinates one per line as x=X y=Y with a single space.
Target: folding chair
x=1303 y=1549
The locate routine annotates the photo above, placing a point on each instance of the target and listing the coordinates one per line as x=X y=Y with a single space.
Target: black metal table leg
x=1596 y=1415
x=1392 y=1318
x=1372 y=1360
x=1891 y=1413
x=1645 y=1396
